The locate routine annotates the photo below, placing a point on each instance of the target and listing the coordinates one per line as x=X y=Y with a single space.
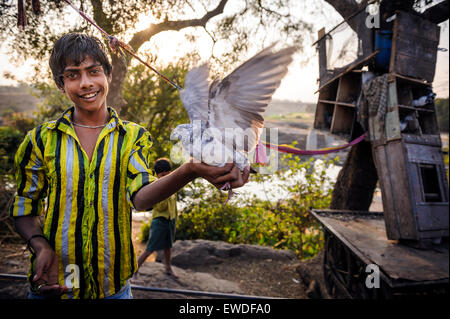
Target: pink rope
x=296 y=151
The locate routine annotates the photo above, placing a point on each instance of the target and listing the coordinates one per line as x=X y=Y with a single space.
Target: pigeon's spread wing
x=240 y=99
x=195 y=94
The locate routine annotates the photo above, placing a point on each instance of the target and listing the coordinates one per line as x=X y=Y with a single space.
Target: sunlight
x=167 y=47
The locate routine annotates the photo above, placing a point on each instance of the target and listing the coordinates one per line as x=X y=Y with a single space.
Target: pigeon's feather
x=241 y=98
x=237 y=102
x=195 y=94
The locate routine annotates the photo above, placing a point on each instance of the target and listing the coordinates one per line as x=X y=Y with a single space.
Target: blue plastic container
x=383 y=41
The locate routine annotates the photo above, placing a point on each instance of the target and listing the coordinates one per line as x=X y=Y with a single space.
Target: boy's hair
x=162 y=165
x=75 y=47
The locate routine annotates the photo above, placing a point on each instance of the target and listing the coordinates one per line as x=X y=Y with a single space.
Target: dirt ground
x=256 y=277
x=259 y=277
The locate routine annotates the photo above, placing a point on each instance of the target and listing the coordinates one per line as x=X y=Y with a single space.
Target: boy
x=164 y=217
x=92 y=169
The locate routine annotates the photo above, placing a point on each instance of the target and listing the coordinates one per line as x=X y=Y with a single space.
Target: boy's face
x=86 y=84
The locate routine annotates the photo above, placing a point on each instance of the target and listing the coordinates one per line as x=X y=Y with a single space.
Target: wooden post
x=322 y=48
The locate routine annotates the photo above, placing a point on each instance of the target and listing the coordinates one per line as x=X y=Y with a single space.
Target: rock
x=153 y=275
x=187 y=253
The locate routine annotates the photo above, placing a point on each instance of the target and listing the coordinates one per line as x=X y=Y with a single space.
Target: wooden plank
x=327 y=102
x=346 y=104
x=401 y=190
x=351 y=67
x=414 y=47
x=324 y=112
x=391 y=222
x=349 y=88
x=367 y=237
x=322 y=48
x=342 y=120
x=418 y=81
x=413 y=108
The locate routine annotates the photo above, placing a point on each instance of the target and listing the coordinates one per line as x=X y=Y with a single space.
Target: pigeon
x=226 y=116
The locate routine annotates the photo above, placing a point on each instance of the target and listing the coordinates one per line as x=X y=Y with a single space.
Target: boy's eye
x=70 y=75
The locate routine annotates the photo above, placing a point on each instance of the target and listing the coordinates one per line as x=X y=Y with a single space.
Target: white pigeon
x=227 y=115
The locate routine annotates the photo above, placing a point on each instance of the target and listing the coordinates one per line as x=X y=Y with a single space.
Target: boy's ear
x=109 y=78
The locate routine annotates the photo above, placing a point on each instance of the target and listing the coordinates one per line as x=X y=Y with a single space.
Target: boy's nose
x=86 y=81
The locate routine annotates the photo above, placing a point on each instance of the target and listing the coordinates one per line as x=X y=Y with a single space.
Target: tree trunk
x=356 y=181
x=119 y=71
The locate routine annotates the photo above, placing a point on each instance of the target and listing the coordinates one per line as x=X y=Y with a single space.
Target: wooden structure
x=355 y=239
x=406 y=148
x=409 y=160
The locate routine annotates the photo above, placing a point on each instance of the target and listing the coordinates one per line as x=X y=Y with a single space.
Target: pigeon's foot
x=227 y=187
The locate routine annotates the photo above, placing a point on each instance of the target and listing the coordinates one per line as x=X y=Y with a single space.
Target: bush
x=286 y=224
x=10 y=139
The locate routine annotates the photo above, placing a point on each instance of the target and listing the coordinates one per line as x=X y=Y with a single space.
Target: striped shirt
x=87 y=205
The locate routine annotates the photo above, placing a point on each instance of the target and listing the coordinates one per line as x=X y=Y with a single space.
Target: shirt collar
x=65 y=122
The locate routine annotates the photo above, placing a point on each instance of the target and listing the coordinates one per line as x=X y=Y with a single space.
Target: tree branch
x=143 y=36
x=100 y=17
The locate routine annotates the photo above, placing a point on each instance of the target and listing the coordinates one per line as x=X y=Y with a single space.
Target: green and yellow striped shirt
x=87 y=205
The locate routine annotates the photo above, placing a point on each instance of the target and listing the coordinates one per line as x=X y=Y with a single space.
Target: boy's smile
x=86 y=85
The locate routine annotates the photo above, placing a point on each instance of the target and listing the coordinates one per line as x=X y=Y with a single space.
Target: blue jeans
x=124 y=293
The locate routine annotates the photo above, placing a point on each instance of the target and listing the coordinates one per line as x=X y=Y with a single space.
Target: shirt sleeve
x=139 y=171
x=31 y=179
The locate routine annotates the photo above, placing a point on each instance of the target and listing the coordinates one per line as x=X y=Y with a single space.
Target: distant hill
x=282 y=107
x=17 y=99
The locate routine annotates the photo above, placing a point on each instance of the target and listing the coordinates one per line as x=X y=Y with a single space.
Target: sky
x=300 y=84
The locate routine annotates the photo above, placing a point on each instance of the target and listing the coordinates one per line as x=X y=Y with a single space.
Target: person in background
x=163 y=225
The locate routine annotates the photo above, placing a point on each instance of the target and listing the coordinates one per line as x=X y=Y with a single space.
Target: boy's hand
x=46 y=275
x=218 y=176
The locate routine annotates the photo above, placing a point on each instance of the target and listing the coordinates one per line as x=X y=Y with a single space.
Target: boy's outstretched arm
x=162 y=188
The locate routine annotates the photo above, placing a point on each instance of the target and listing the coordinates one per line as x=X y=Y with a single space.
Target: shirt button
x=91 y=176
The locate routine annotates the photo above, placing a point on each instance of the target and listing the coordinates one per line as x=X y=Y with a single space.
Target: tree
x=119 y=17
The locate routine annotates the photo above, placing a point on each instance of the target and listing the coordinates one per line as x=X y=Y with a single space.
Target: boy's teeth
x=87 y=96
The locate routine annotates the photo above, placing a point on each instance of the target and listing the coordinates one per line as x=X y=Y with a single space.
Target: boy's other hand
x=46 y=274
x=218 y=176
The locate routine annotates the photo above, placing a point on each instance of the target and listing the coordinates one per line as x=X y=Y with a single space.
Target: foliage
x=10 y=139
x=52 y=101
x=155 y=106
x=225 y=22
x=442 y=107
x=285 y=224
